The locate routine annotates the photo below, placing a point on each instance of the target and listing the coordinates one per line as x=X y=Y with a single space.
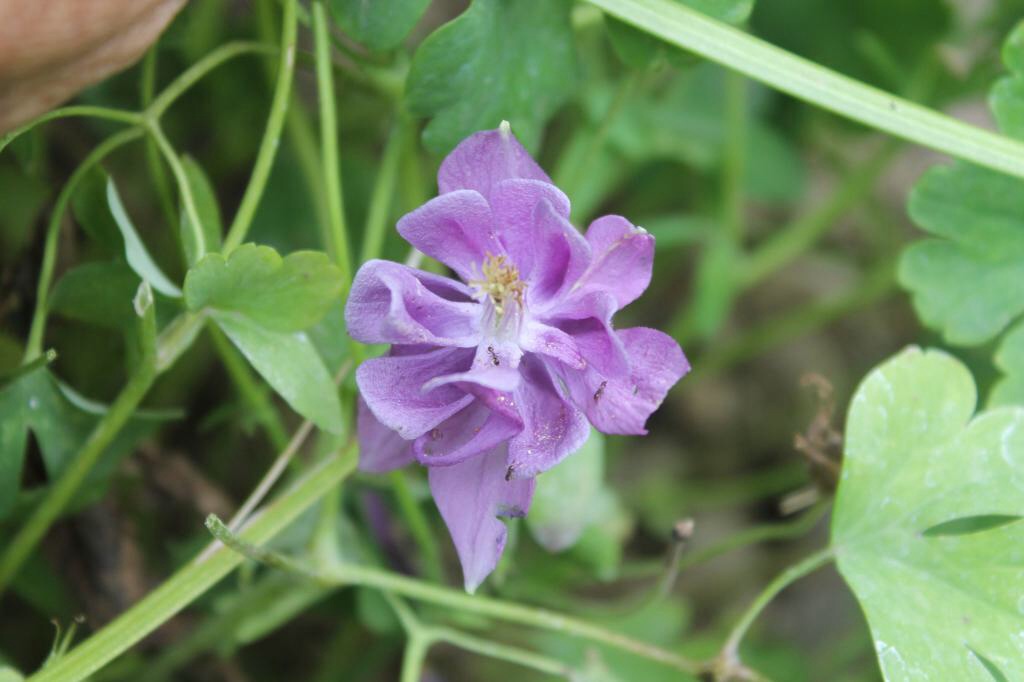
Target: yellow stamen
x=501 y=282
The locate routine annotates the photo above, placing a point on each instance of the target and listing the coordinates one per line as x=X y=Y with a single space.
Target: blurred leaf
x=290 y=364
x=9 y=674
x=375 y=613
x=282 y=294
x=916 y=456
x=966 y=282
x=206 y=206
x=686 y=123
x=329 y=335
x=833 y=33
x=35 y=402
x=566 y=496
x=134 y=250
x=497 y=61
x=1010 y=358
x=381 y=24
x=599 y=548
x=97 y=293
x=638 y=49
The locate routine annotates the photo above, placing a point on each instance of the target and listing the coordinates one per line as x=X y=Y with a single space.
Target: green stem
x=800 y=235
x=414 y=657
x=195 y=578
x=271 y=136
x=107 y=113
x=734 y=156
x=873 y=286
x=730 y=650
x=417 y=523
x=184 y=188
x=156 y=170
x=501 y=652
x=329 y=143
x=367 y=576
x=298 y=127
x=191 y=76
x=28 y=367
x=249 y=387
x=35 y=336
x=69 y=481
x=383 y=191
x=731 y=47
x=770 y=531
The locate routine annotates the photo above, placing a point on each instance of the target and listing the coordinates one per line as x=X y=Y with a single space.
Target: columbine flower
x=492 y=380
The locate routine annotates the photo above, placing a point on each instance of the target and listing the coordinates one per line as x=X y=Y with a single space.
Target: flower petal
x=537 y=337
x=514 y=205
x=474 y=430
x=552 y=426
x=484 y=159
x=588 y=320
x=393 y=388
x=623 y=256
x=560 y=255
x=456 y=229
x=494 y=367
x=623 y=405
x=392 y=303
x=380 y=448
x=470 y=496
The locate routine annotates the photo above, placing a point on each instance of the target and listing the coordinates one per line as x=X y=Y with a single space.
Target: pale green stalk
x=71 y=478
x=196 y=577
x=383 y=191
x=271 y=136
x=35 y=335
x=691 y=30
x=78 y=110
x=329 y=144
x=184 y=188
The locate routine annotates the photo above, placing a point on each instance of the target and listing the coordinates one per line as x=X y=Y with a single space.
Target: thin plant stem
x=196 y=577
x=329 y=144
x=278 y=467
x=729 y=655
x=380 y=200
x=298 y=127
x=28 y=367
x=874 y=286
x=417 y=523
x=156 y=170
x=788 y=530
x=77 y=110
x=496 y=650
x=795 y=238
x=249 y=387
x=414 y=657
x=271 y=135
x=71 y=478
x=184 y=188
x=734 y=157
x=367 y=576
x=194 y=73
x=35 y=336
x=694 y=31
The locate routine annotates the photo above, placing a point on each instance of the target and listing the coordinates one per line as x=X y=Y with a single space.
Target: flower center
x=500 y=283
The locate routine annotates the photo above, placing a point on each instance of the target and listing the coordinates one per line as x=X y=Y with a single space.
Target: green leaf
x=290 y=364
x=206 y=206
x=98 y=293
x=967 y=282
x=282 y=294
x=939 y=604
x=638 y=49
x=134 y=250
x=36 y=402
x=9 y=674
x=498 y=61
x=1010 y=358
x=566 y=496
x=381 y=24
x=91 y=211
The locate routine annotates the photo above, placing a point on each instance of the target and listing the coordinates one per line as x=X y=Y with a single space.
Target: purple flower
x=493 y=379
